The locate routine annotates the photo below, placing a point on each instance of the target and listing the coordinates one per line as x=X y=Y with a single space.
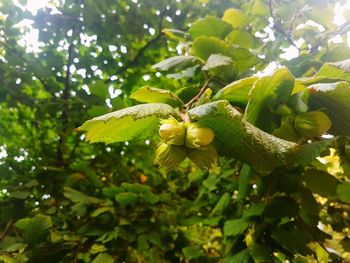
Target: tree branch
x=277 y=26
x=142 y=50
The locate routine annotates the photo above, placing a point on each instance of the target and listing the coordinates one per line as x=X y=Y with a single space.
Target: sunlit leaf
x=137 y=122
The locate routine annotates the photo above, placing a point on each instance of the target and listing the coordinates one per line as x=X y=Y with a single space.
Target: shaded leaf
x=149 y=94
x=216 y=60
x=103 y=258
x=255 y=210
x=79 y=197
x=222 y=204
x=244 y=182
x=192 y=252
x=267 y=93
x=236 y=226
x=242 y=256
x=292 y=238
x=177 y=63
x=20 y=194
x=333 y=99
x=260 y=253
x=35 y=228
x=281 y=206
x=308 y=152
x=343 y=191
x=127 y=198
x=321 y=182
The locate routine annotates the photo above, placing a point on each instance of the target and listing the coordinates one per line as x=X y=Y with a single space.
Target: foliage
x=279 y=194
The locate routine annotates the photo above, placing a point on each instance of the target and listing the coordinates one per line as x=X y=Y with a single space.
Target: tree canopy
x=255 y=164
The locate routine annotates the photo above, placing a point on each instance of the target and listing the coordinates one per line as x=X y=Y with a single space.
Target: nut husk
x=170 y=156
x=312 y=123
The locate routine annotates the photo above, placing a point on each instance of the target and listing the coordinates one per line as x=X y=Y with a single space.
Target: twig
x=279 y=28
x=142 y=50
x=8 y=225
x=65 y=95
x=199 y=94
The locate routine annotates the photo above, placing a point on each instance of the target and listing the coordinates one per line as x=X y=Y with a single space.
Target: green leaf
x=177 y=63
x=203 y=47
x=20 y=194
x=99 y=88
x=242 y=59
x=236 y=226
x=210 y=26
x=149 y=94
x=309 y=208
x=237 y=138
x=216 y=60
x=103 y=258
x=254 y=210
x=308 y=152
x=236 y=92
x=127 y=198
x=192 y=252
x=35 y=228
x=186 y=73
x=281 y=206
x=236 y=18
x=244 y=182
x=222 y=204
x=150 y=197
x=242 y=38
x=322 y=16
x=343 y=191
x=321 y=182
x=260 y=8
x=335 y=70
x=242 y=256
x=260 y=253
x=137 y=122
x=79 y=197
x=333 y=99
x=102 y=210
x=32 y=183
x=7 y=259
x=267 y=93
x=292 y=238
x=175 y=34
x=112 y=191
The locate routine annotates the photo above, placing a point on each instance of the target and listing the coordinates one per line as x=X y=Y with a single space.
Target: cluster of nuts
x=303 y=125
x=184 y=139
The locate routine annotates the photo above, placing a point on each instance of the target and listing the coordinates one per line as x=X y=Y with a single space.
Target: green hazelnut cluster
x=181 y=140
x=303 y=125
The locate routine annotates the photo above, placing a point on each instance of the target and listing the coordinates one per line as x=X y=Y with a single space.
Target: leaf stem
x=199 y=94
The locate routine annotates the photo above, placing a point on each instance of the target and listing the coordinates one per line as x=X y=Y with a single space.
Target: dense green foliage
x=280 y=191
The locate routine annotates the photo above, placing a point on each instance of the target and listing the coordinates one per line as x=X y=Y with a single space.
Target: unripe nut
x=197 y=136
x=173 y=132
x=312 y=123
